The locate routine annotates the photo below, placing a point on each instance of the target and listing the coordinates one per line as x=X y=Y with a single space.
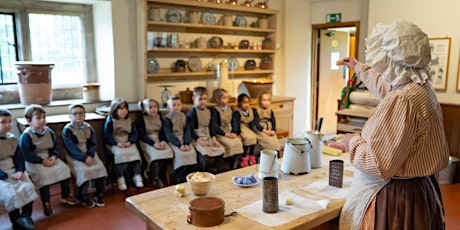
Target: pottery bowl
x=255 y=87
x=201 y=183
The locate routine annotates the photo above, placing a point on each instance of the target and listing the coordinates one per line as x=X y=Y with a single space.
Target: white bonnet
x=400 y=52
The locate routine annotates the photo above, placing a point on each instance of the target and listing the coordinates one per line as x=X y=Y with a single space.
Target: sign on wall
x=336 y=17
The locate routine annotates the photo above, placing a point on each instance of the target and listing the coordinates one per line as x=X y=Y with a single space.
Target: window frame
x=21 y=8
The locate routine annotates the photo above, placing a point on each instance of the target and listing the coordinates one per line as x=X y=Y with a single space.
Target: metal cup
x=270 y=195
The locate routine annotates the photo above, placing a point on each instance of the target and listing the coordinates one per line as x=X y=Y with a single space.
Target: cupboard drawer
x=282 y=107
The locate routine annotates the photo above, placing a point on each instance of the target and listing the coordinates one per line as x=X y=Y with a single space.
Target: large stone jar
x=34 y=82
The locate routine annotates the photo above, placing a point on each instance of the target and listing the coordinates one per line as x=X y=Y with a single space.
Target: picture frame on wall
x=439 y=65
x=457 y=88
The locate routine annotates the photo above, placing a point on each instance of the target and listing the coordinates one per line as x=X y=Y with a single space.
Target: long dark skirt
x=409 y=204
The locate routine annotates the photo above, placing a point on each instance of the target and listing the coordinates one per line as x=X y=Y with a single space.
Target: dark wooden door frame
x=315 y=46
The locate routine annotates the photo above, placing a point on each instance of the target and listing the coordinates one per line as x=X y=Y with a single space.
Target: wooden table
x=160 y=209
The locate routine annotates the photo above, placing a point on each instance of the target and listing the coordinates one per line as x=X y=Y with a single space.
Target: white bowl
x=201 y=188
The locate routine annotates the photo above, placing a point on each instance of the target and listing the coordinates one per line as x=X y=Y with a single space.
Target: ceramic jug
x=173 y=40
x=179 y=66
x=262 y=22
x=250 y=65
x=193 y=17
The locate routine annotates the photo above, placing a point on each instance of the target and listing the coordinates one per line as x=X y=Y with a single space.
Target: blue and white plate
x=233 y=64
x=208 y=18
x=173 y=15
x=152 y=65
x=240 y=21
x=254 y=182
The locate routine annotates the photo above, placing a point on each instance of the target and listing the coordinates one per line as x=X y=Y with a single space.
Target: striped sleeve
x=387 y=138
x=373 y=80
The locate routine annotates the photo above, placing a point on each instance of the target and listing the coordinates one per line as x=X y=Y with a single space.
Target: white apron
x=153 y=127
x=40 y=174
x=181 y=158
x=363 y=190
x=232 y=146
x=121 y=131
x=204 y=120
x=248 y=135
x=13 y=193
x=79 y=169
x=266 y=141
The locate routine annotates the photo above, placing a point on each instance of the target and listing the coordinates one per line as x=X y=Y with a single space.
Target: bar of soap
x=289 y=201
x=180 y=188
x=339 y=62
x=178 y=194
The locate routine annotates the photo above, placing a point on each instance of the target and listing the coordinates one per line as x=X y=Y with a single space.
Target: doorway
x=330 y=42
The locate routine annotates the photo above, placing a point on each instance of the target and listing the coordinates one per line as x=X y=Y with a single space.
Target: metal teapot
x=262 y=5
x=232 y=2
x=247 y=3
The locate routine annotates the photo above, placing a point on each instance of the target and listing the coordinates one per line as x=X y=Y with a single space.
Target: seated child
x=40 y=148
x=16 y=190
x=222 y=116
x=243 y=124
x=203 y=134
x=152 y=140
x=120 y=137
x=84 y=163
x=265 y=123
x=177 y=132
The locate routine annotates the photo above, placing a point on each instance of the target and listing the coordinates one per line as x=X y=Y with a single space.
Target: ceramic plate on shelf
x=208 y=18
x=233 y=64
x=215 y=42
x=152 y=65
x=194 y=64
x=173 y=15
x=240 y=21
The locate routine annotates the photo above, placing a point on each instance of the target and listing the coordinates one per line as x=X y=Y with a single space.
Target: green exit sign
x=331 y=18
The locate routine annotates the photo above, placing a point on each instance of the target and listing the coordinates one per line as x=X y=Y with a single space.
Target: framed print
x=457 y=88
x=440 y=54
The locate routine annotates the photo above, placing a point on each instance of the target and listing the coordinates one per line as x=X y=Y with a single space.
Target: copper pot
x=247 y=3
x=206 y=211
x=186 y=96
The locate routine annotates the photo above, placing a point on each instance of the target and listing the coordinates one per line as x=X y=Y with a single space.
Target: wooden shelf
x=207 y=29
x=168 y=75
x=354 y=113
x=163 y=54
x=196 y=50
x=214 y=6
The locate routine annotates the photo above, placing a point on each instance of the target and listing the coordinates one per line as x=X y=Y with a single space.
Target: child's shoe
x=69 y=200
x=87 y=203
x=25 y=223
x=121 y=184
x=138 y=181
x=47 y=209
x=244 y=162
x=252 y=159
x=100 y=201
x=157 y=183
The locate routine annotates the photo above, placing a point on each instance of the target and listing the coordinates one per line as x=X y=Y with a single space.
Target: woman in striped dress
x=403 y=142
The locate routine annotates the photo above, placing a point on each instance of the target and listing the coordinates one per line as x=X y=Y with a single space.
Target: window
x=8 y=51
x=58 y=33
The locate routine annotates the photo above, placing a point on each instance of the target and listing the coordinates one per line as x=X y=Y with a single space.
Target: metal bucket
x=296 y=157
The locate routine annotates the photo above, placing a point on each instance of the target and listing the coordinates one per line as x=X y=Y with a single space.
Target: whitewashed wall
x=437 y=19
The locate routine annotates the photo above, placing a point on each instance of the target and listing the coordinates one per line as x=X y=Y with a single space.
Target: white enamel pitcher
x=268 y=165
x=316 y=140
